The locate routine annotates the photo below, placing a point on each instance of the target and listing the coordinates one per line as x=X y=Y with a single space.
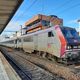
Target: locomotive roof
x=67 y=28
x=38 y=32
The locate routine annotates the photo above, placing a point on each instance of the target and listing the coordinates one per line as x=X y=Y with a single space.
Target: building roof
x=7 y=11
x=37 y=17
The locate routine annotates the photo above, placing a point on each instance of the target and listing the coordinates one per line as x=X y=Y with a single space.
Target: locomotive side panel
x=53 y=45
x=48 y=42
x=28 y=44
x=35 y=41
x=42 y=42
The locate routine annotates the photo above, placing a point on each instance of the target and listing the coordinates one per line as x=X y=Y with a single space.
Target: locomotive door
x=15 y=43
x=53 y=44
x=50 y=43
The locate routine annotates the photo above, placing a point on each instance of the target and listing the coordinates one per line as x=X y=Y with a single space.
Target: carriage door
x=15 y=42
x=35 y=42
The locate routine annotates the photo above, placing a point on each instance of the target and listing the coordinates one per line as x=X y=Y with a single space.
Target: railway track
x=71 y=72
x=35 y=72
x=66 y=72
x=17 y=67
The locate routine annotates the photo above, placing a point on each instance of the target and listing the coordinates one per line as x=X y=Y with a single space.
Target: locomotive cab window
x=50 y=34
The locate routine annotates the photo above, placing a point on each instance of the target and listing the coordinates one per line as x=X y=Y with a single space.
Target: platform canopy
x=7 y=11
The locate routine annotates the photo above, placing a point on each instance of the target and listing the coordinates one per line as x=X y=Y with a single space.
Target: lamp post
x=21 y=39
x=21 y=29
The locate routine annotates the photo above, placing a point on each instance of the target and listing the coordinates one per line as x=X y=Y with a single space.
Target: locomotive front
x=72 y=43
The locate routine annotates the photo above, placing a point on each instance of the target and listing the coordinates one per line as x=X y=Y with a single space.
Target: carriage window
x=50 y=34
x=16 y=41
x=10 y=42
x=45 y=23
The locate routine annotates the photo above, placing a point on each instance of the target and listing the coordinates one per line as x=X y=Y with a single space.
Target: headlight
x=68 y=47
x=79 y=46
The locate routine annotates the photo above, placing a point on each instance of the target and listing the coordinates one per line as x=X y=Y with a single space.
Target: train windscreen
x=70 y=33
x=71 y=36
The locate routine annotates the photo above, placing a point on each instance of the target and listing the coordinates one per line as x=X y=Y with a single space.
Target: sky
x=68 y=10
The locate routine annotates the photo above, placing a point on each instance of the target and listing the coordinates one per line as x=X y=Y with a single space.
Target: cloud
x=13 y=26
x=72 y=21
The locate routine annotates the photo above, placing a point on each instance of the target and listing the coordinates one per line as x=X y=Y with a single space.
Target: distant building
x=40 y=22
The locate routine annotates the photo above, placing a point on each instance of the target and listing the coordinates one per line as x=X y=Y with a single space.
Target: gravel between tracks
x=35 y=72
x=67 y=73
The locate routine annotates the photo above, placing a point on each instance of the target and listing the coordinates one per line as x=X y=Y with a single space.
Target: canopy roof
x=7 y=10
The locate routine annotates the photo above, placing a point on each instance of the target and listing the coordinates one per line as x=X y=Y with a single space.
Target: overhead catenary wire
x=65 y=3
x=27 y=9
x=33 y=3
x=62 y=5
x=42 y=8
x=69 y=8
x=24 y=11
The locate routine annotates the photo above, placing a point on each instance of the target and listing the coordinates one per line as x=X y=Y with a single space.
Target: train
x=60 y=43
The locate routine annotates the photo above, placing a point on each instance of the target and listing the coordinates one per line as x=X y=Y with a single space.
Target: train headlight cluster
x=72 y=47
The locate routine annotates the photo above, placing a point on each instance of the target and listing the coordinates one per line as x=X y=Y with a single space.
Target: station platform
x=6 y=71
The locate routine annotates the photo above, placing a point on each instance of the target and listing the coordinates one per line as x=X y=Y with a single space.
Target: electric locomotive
x=60 y=42
x=72 y=43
